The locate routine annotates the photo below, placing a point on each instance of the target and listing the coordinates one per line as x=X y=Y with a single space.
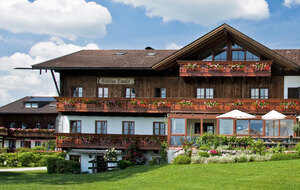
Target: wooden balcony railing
x=104 y=141
x=225 y=68
x=37 y=133
x=3 y=131
x=189 y=105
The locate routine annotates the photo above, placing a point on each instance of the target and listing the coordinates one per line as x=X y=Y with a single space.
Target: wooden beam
x=54 y=80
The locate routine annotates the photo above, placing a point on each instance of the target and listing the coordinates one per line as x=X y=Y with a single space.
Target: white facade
x=143 y=125
x=290 y=82
x=18 y=143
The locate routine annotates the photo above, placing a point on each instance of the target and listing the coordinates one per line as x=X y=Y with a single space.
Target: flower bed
x=236 y=67
x=215 y=67
x=260 y=104
x=236 y=104
x=191 y=67
x=211 y=104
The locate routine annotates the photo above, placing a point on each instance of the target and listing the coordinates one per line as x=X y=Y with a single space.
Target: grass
x=252 y=175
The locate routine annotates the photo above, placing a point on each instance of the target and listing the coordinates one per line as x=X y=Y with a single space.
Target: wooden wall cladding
x=178 y=87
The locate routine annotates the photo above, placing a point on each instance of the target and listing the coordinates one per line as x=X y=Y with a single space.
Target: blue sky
x=32 y=32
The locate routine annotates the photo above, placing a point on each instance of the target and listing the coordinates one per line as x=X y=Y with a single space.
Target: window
x=38 y=125
x=256 y=127
x=242 y=127
x=101 y=127
x=26 y=144
x=31 y=105
x=251 y=57
x=160 y=92
x=238 y=55
x=130 y=93
x=77 y=91
x=159 y=128
x=24 y=126
x=12 y=144
x=75 y=158
x=294 y=92
x=38 y=143
x=220 y=55
x=102 y=92
x=205 y=93
x=286 y=127
x=128 y=127
x=226 y=126
x=12 y=125
x=259 y=93
x=272 y=128
x=50 y=126
x=75 y=127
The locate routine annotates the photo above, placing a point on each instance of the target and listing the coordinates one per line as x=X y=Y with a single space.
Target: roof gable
x=217 y=35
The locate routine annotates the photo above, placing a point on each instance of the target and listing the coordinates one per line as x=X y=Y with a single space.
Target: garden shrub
x=153 y=161
x=22 y=149
x=203 y=154
x=122 y=164
x=2 y=159
x=38 y=148
x=242 y=159
x=198 y=160
x=51 y=164
x=12 y=159
x=4 y=150
x=164 y=152
x=258 y=147
x=67 y=166
x=277 y=149
x=25 y=158
x=262 y=158
x=284 y=156
x=182 y=159
x=297 y=147
x=204 y=147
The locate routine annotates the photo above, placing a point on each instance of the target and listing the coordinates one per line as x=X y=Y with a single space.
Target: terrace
x=225 y=68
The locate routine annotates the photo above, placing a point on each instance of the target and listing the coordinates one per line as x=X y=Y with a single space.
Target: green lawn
x=254 y=175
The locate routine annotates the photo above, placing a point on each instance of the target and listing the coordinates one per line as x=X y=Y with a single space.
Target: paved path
x=22 y=169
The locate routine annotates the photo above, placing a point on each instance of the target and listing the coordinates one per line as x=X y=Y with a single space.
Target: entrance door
x=208 y=128
x=101 y=164
x=197 y=128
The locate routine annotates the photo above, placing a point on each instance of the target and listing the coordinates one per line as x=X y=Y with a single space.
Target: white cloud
x=289 y=3
x=64 y=18
x=19 y=83
x=173 y=46
x=204 y=12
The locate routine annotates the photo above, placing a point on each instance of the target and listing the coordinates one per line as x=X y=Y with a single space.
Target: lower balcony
x=191 y=105
x=3 y=131
x=32 y=133
x=101 y=141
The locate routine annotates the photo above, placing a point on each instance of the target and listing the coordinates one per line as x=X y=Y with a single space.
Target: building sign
x=113 y=80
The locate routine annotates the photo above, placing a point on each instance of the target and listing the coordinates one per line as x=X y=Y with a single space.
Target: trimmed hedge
x=67 y=166
x=284 y=156
x=182 y=159
x=122 y=164
x=51 y=164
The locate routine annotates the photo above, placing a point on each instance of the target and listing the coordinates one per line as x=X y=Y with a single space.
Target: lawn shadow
x=39 y=177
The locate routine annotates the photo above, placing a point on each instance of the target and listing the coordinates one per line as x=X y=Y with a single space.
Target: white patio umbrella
x=236 y=114
x=298 y=117
x=273 y=115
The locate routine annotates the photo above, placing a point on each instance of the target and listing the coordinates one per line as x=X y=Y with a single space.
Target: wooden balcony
x=3 y=131
x=224 y=69
x=28 y=133
x=101 y=141
x=168 y=105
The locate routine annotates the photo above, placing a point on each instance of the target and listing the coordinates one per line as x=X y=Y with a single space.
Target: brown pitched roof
x=291 y=54
x=18 y=107
x=93 y=59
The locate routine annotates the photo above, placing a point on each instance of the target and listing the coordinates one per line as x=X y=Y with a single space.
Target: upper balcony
x=225 y=68
x=75 y=140
x=188 y=105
